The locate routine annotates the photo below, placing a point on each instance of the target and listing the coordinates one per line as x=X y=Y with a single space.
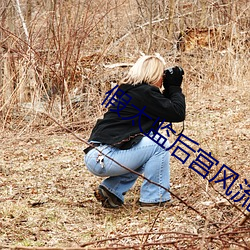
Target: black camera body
x=173 y=76
x=171 y=70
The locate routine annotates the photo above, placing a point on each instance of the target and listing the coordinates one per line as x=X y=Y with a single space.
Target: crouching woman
x=126 y=130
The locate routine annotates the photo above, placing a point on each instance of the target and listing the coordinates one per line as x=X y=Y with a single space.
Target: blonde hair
x=148 y=69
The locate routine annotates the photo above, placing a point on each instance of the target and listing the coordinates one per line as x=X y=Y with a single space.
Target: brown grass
x=46 y=193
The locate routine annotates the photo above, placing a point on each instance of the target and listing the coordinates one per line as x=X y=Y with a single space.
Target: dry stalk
x=176 y=237
x=152 y=227
x=230 y=70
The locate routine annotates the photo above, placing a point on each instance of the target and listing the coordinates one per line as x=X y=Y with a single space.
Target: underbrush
x=53 y=81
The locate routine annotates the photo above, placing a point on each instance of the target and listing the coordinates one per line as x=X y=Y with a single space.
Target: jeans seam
x=160 y=179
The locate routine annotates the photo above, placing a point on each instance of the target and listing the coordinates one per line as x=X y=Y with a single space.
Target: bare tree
x=150 y=10
x=171 y=19
x=27 y=86
x=6 y=62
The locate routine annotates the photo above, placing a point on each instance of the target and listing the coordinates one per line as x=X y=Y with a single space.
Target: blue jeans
x=146 y=158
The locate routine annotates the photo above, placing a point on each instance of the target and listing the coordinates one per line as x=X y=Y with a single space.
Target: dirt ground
x=46 y=193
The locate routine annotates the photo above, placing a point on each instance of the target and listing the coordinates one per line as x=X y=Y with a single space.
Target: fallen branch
x=115 y=65
x=39 y=248
x=244 y=219
x=128 y=169
x=174 y=237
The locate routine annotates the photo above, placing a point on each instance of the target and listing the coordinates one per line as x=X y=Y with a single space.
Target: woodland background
x=57 y=60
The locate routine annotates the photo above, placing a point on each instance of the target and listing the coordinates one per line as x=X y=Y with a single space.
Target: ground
x=46 y=192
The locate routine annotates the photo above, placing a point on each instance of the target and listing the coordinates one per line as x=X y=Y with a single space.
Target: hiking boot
x=107 y=199
x=151 y=206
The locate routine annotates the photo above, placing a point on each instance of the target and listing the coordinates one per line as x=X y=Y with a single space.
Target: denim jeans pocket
x=95 y=160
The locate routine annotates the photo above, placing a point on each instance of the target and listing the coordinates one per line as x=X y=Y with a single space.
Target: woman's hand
x=173 y=77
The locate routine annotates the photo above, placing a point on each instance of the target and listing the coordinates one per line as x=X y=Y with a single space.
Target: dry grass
x=46 y=194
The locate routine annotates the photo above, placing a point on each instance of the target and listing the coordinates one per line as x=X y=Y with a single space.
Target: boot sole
x=102 y=196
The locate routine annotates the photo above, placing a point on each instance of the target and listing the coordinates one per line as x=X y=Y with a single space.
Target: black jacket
x=123 y=131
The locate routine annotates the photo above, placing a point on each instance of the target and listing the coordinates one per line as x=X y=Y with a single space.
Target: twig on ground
x=128 y=169
x=244 y=219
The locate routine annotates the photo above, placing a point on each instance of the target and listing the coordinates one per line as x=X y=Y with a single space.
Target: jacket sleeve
x=170 y=105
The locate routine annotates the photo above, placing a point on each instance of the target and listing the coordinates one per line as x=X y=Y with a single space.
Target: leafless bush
x=52 y=53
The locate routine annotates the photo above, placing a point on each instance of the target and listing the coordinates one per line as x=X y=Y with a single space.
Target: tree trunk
x=171 y=20
x=150 y=10
x=6 y=66
x=28 y=87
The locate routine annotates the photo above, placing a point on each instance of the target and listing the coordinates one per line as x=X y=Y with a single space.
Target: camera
x=173 y=76
x=171 y=70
